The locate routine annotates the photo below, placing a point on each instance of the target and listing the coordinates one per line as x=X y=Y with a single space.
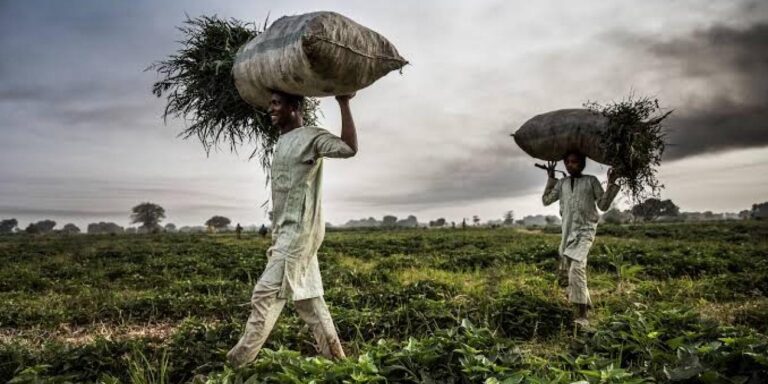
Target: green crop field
x=676 y=302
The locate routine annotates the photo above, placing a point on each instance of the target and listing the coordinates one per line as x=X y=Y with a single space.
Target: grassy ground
x=674 y=302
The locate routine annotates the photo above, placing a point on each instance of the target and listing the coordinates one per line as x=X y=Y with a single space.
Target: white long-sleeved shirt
x=579 y=197
x=298 y=228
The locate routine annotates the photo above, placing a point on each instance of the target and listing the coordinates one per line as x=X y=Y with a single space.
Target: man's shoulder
x=314 y=131
x=307 y=135
x=592 y=179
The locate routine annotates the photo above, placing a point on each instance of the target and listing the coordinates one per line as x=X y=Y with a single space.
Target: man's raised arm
x=348 y=130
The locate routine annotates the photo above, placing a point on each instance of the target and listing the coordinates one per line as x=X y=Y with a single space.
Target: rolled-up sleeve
x=327 y=144
x=551 y=191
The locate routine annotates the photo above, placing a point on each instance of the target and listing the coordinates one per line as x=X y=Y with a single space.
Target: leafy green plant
x=460 y=306
x=626 y=272
x=198 y=86
x=142 y=371
x=634 y=142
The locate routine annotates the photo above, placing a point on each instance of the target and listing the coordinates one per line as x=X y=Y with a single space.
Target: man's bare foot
x=581 y=321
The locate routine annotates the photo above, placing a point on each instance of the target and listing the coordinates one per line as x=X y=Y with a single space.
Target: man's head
x=285 y=109
x=575 y=163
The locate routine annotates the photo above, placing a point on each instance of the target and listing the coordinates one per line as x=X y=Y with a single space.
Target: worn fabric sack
x=314 y=54
x=550 y=136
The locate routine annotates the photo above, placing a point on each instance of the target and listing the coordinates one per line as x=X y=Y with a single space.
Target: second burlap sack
x=550 y=136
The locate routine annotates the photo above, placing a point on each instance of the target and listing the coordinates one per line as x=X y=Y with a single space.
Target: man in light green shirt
x=292 y=271
x=580 y=196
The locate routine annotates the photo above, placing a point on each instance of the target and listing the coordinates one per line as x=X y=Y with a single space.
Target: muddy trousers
x=577 y=290
x=265 y=309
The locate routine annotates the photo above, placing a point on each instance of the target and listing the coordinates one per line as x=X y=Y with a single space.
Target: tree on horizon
x=149 y=215
x=8 y=225
x=217 y=222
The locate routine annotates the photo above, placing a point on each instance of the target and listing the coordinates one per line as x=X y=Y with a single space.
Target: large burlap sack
x=550 y=136
x=315 y=54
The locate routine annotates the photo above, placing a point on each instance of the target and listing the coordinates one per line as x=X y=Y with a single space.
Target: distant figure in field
x=238 y=230
x=292 y=271
x=263 y=231
x=580 y=196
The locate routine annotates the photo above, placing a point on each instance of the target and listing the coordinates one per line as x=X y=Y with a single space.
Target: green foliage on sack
x=198 y=86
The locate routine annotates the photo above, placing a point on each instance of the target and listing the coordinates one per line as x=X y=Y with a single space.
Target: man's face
x=573 y=164
x=279 y=111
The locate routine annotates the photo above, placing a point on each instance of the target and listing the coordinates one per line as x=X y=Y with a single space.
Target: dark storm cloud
x=720 y=126
x=83 y=105
x=496 y=171
x=75 y=101
x=716 y=120
x=117 y=116
x=79 y=64
x=10 y=95
x=733 y=113
x=55 y=212
x=134 y=189
x=71 y=91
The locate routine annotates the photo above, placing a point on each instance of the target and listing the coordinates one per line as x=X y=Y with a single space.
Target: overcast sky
x=82 y=139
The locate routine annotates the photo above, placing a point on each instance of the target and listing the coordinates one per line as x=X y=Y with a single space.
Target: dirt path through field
x=79 y=335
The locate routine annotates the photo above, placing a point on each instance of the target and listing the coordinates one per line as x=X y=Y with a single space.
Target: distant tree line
x=150 y=216
x=388 y=221
x=654 y=209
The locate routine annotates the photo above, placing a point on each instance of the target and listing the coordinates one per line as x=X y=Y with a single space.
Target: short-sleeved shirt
x=579 y=197
x=297 y=226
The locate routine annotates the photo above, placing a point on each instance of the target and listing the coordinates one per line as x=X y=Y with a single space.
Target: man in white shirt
x=292 y=271
x=580 y=196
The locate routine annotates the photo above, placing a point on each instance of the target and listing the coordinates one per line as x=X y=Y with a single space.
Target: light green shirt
x=578 y=208
x=298 y=227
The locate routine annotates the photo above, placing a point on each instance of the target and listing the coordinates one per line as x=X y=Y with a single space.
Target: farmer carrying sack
x=315 y=54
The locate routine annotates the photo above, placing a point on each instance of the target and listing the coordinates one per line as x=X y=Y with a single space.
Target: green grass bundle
x=633 y=143
x=198 y=86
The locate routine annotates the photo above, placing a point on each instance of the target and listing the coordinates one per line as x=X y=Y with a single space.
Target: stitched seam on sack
x=358 y=52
